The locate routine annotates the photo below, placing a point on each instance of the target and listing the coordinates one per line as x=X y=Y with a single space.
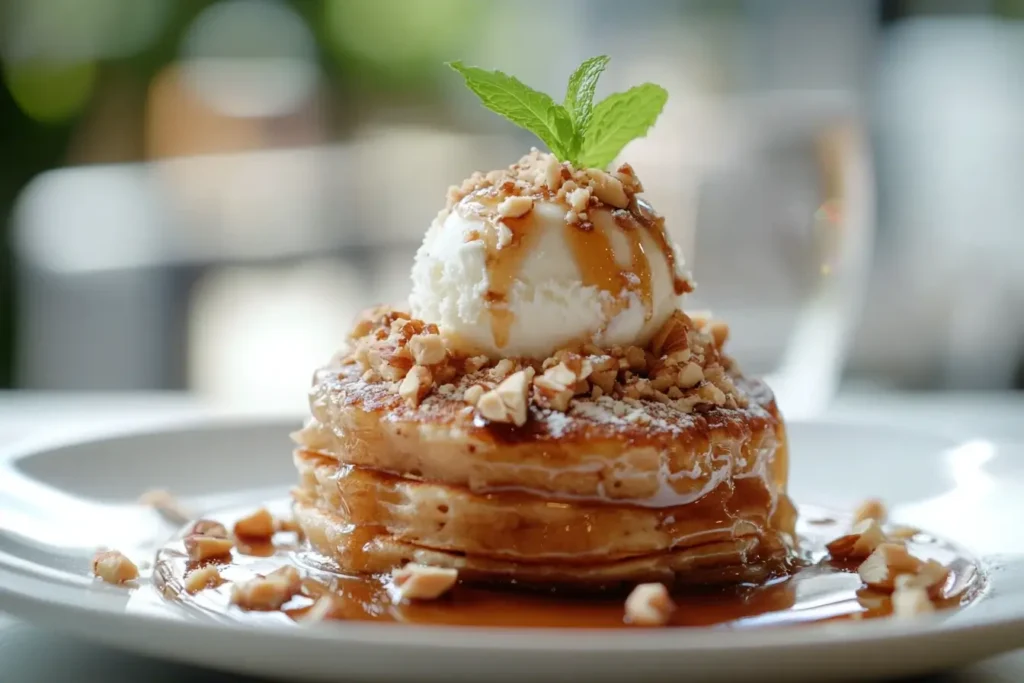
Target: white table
x=32 y=655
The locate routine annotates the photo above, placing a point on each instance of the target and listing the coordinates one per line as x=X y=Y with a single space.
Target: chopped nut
x=930 y=577
x=268 y=593
x=604 y=379
x=502 y=369
x=514 y=207
x=203 y=577
x=114 y=567
x=579 y=199
x=427 y=349
x=871 y=599
x=888 y=561
x=476 y=363
x=649 y=605
x=202 y=548
x=416 y=385
x=491 y=407
x=422 y=582
x=288 y=524
x=259 y=524
x=473 y=394
x=719 y=332
x=860 y=543
x=560 y=375
x=166 y=505
x=608 y=189
x=321 y=610
x=690 y=376
x=635 y=358
x=911 y=602
x=552 y=173
x=551 y=394
x=514 y=391
x=208 y=527
x=870 y=509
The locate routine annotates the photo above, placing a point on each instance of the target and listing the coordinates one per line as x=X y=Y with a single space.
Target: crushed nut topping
x=268 y=593
x=114 y=567
x=864 y=538
x=422 y=582
x=870 y=509
x=888 y=561
x=201 y=578
x=683 y=366
x=202 y=548
x=902 y=532
x=930 y=577
x=321 y=610
x=649 y=604
x=514 y=207
x=259 y=524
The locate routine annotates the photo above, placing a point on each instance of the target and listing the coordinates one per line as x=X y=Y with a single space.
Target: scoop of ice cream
x=538 y=257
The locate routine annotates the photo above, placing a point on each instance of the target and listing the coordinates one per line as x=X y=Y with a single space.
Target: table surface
x=32 y=655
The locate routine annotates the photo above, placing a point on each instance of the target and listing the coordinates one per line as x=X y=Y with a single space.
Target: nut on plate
x=259 y=525
x=422 y=582
x=649 y=604
x=268 y=593
x=114 y=567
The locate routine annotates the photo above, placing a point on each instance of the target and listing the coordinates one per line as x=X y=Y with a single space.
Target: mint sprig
x=576 y=130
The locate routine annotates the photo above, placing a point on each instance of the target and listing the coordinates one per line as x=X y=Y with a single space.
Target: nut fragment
x=930 y=577
x=649 y=605
x=903 y=533
x=321 y=610
x=861 y=542
x=166 y=505
x=551 y=394
x=608 y=189
x=416 y=385
x=690 y=376
x=114 y=567
x=203 y=577
x=579 y=199
x=870 y=509
x=514 y=207
x=872 y=599
x=473 y=394
x=201 y=548
x=427 y=349
x=268 y=593
x=888 y=561
x=208 y=527
x=259 y=524
x=422 y=582
x=911 y=602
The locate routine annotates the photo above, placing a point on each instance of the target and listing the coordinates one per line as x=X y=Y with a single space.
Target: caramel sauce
x=593 y=254
x=819 y=591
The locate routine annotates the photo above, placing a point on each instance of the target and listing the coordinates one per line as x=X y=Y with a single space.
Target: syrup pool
x=819 y=590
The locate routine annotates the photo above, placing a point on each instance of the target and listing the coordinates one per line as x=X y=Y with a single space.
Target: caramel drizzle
x=593 y=254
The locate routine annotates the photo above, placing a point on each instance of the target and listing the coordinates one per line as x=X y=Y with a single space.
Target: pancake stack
x=632 y=470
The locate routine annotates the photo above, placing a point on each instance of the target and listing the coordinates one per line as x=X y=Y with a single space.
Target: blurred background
x=200 y=195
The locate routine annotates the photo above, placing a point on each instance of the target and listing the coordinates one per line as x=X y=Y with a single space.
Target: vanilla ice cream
x=520 y=269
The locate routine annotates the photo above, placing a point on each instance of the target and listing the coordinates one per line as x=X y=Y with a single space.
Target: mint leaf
x=522 y=105
x=579 y=95
x=617 y=120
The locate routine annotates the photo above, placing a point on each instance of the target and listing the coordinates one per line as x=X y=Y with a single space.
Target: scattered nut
x=422 y=582
x=870 y=509
x=203 y=577
x=473 y=394
x=268 y=593
x=930 y=577
x=903 y=533
x=201 y=548
x=872 y=600
x=114 y=567
x=649 y=605
x=860 y=543
x=208 y=527
x=259 y=524
x=690 y=376
x=514 y=207
x=888 y=561
x=416 y=385
x=579 y=199
x=911 y=602
x=166 y=505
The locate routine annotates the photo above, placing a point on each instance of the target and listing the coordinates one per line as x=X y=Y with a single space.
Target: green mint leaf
x=617 y=120
x=579 y=96
x=522 y=105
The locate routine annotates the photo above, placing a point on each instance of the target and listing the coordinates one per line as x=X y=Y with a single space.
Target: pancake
x=371 y=550
x=523 y=527
x=652 y=455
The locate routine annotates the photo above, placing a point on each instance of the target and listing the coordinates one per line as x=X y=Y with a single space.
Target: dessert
x=545 y=415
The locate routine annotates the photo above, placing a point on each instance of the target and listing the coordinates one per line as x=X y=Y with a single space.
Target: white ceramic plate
x=59 y=501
